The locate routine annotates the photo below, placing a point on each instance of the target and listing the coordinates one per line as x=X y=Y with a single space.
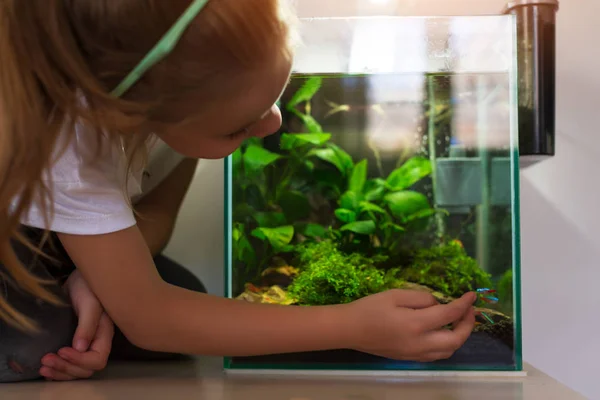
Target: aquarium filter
x=536 y=48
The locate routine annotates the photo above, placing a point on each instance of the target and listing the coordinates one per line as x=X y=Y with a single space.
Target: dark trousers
x=21 y=353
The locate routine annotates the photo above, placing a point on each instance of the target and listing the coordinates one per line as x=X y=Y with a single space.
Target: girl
x=85 y=88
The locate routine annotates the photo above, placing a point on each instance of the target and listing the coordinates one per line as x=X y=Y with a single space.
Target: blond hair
x=56 y=52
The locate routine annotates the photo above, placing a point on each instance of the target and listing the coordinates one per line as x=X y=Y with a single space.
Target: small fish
x=491 y=321
x=491 y=300
x=337 y=108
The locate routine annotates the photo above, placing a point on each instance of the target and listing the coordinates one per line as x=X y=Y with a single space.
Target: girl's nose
x=268 y=125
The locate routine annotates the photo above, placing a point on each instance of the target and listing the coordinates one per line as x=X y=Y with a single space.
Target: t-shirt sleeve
x=88 y=194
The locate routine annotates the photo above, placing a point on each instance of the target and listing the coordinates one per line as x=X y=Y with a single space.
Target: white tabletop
x=204 y=379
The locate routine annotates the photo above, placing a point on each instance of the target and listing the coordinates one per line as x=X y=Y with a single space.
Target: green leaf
x=243 y=211
x=253 y=141
x=257 y=158
x=236 y=161
x=254 y=197
x=310 y=123
x=277 y=237
x=345 y=215
x=365 y=206
x=374 y=189
x=315 y=230
x=245 y=252
x=242 y=249
x=295 y=205
x=295 y=140
x=269 y=219
x=287 y=248
x=329 y=178
x=419 y=215
x=237 y=232
x=360 y=227
x=329 y=156
x=345 y=159
x=306 y=91
x=358 y=178
x=336 y=156
x=408 y=174
x=405 y=203
x=350 y=201
x=392 y=225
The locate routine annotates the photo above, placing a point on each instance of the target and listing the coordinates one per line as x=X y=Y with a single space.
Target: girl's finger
x=438 y=316
x=445 y=340
x=55 y=375
x=412 y=298
x=96 y=358
x=104 y=336
x=89 y=313
x=65 y=367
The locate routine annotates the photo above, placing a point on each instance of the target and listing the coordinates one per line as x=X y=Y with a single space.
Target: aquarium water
x=375 y=182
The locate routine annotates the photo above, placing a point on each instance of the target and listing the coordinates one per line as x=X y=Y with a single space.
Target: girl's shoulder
x=89 y=186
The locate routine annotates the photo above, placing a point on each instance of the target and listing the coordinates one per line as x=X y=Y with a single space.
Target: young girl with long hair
x=105 y=106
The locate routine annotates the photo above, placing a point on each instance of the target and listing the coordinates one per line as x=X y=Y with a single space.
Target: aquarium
x=396 y=166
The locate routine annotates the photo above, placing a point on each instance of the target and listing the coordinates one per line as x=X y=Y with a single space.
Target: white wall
x=560 y=203
x=561 y=214
x=197 y=242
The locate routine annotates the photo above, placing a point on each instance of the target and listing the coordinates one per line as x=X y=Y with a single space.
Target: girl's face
x=222 y=128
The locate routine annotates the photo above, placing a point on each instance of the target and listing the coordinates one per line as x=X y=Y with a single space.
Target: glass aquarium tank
x=396 y=167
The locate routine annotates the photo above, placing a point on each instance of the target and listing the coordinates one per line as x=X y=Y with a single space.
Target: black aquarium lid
x=523 y=3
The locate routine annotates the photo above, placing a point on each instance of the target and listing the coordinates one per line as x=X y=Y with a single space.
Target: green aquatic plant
x=330 y=276
x=311 y=189
x=446 y=268
x=505 y=291
x=375 y=212
x=271 y=189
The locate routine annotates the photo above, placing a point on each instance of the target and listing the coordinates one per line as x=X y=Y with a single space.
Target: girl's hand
x=92 y=340
x=410 y=325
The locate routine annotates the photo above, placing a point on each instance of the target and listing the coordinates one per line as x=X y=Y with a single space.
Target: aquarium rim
x=399 y=17
x=420 y=71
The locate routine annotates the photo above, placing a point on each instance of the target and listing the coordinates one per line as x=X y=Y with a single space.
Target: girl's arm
x=157 y=316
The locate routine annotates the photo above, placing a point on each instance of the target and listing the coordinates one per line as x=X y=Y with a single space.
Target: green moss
x=330 y=276
x=447 y=269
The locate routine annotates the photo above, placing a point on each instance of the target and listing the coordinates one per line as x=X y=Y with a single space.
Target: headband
x=164 y=46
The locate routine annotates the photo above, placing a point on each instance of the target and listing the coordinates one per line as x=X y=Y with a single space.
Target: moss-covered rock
x=330 y=276
x=446 y=269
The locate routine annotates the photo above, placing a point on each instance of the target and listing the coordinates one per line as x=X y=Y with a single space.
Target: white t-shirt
x=88 y=198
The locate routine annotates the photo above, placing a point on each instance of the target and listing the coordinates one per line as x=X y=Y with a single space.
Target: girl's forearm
x=158 y=316
x=192 y=323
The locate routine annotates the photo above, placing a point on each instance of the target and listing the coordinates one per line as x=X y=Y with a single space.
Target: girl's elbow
x=141 y=334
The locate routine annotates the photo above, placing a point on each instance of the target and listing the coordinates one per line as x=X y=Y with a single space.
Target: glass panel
x=396 y=167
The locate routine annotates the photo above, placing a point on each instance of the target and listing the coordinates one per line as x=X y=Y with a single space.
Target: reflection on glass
x=395 y=167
